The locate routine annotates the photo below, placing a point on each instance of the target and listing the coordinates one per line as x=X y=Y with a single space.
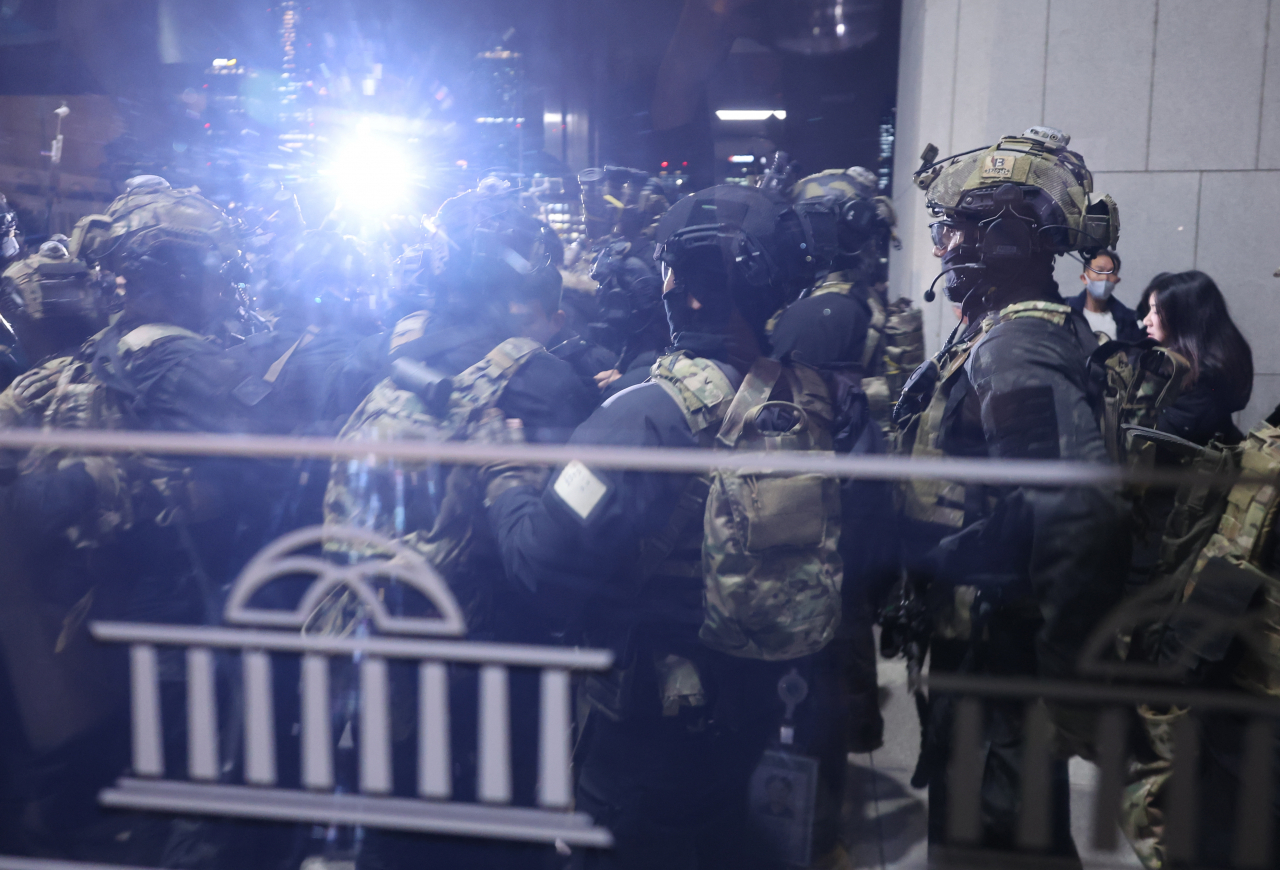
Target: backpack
x=893 y=349
x=771 y=571
x=45 y=286
x=1232 y=573
x=1134 y=383
x=1216 y=584
x=385 y=495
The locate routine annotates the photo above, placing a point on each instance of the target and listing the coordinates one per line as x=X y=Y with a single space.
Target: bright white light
x=742 y=158
x=750 y=114
x=371 y=174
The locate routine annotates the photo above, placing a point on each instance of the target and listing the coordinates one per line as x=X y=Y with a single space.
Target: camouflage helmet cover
x=865 y=221
x=853 y=183
x=1055 y=183
x=149 y=214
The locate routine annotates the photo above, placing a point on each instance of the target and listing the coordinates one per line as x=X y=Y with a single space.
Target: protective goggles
x=945 y=233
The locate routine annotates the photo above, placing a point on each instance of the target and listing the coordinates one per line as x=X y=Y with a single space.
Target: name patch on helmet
x=998 y=165
x=580 y=489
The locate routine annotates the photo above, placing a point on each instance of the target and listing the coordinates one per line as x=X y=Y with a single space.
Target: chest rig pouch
x=930 y=399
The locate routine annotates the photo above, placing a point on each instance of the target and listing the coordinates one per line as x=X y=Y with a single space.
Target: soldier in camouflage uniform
x=123 y=536
x=461 y=371
x=848 y=317
x=847 y=321
x=1016 y=577
x=674 y=731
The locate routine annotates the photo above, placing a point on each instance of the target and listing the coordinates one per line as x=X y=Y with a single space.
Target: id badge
x=782 y=794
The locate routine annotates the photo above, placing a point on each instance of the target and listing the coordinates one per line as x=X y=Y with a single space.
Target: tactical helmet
x=1026 y=195
x=864 y=220
x=49 y=284
x=1032 y=176
x=735 y=246
x=629 y=292
x=483 y=248
x=168 y=243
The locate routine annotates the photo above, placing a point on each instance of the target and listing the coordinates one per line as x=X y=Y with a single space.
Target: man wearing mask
x=1105 y=313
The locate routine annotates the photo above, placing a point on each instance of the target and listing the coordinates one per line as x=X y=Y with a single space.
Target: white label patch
x=998 y=165
x=580 y=489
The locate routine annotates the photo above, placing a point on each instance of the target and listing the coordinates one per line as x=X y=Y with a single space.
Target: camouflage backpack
x=379 y=494
x=893 y=349
x=1135 y=382
x=49 y=284
x=770 y=568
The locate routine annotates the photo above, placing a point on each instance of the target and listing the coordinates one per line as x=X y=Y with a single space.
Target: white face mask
x=1101 y=290
x=9 y=247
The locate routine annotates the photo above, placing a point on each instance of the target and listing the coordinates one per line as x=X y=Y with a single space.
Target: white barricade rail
x=257 y=633
x=1033 y=472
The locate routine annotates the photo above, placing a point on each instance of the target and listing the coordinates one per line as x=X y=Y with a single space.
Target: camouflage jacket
x=435 y=509
x=156 y=376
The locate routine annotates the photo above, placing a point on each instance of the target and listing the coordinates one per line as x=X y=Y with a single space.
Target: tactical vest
x=769 y=565
x=375 y=493
x=893 y=349
x=1234 y=572
x=67 y=393
x=925 y=406
x=1136 y=382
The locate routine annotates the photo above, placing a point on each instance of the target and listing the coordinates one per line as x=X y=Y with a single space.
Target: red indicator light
x=664 y=164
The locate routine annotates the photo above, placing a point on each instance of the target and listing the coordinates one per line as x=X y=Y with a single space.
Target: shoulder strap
x=149 y=333
x=841 y=287
x=697 y=385
x=1054 y=312
x=273 y=373
x=755 y=391
x=481 y=385
x=871 y=348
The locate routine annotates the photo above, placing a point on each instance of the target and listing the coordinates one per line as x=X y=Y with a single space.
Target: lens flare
x=372 y=174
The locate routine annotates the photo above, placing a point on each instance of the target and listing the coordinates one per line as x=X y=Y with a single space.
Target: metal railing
x=433 y=810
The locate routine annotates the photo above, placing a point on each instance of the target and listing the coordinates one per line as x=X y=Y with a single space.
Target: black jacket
x=1202 y=414
x=822 y=329
x=1127 y=326
x=583 y=570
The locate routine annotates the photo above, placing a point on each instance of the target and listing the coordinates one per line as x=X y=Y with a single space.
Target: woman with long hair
x=1187 y=314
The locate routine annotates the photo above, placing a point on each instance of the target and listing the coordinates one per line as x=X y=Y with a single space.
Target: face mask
x=9 y=247
x=962 y=278
x=1101 y=290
